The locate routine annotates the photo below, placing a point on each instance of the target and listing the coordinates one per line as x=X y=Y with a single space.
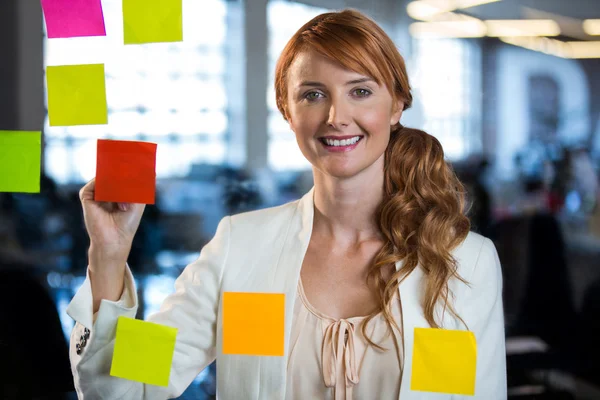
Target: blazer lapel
x=412 y=317
x=285 y=276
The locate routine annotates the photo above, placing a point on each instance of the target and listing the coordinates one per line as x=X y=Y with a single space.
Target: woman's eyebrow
x=361 y=80
x=311 y=83
x=352 y=82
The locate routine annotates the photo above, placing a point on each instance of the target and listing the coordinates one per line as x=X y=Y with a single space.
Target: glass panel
x=213 y=123
x=156 y=290
x=285 y=154
x=56 y=163
x=84 y=160
x=278 y=127
x=176 y=158
x=446 y=93
x=158 y=90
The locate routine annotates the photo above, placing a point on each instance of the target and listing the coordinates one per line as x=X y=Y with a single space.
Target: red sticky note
x=126 y=171
x=73 y=18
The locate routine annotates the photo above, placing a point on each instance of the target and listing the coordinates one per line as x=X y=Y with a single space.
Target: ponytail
x=422 y=218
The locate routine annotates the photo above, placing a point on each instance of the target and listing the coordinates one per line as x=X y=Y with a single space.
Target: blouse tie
x=339 y=358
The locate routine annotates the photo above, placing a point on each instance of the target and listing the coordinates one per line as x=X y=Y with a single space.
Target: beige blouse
x=331 y=359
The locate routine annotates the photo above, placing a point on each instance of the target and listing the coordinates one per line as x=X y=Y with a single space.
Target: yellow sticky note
x=253 y=323
x=143 y=351
x=77 y=95
x=444 y=361
x=20 y=155
x=152 y=21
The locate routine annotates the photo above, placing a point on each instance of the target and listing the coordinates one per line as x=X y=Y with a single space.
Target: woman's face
x=341 y=119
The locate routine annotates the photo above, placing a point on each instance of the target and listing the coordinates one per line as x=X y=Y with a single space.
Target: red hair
x=352 y=40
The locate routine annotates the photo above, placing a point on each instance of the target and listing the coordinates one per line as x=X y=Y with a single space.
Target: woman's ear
x=397 y=112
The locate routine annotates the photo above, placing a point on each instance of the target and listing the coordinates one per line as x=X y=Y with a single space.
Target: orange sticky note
x=253 y=323
x=444 y=361
x=126 y=171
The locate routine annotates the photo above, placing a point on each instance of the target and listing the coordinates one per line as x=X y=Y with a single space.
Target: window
x=284 y=18
x=172 y=94
x=447 y=83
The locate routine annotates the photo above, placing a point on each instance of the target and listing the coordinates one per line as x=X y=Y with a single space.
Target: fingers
x=87 y=192
x=136 y=207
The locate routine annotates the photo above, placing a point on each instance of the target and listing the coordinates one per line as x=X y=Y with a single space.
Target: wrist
x=115 y=257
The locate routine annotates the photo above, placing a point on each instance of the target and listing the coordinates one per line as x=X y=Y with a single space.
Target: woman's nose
x=339 y=114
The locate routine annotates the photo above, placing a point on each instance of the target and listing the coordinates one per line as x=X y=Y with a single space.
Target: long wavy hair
x=423 y=213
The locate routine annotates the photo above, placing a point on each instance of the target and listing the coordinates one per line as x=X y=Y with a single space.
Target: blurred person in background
x=34 y=362
x=475 y=175
x=585 y=179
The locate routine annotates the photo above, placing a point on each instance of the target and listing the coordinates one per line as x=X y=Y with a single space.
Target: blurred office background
x=507 y=86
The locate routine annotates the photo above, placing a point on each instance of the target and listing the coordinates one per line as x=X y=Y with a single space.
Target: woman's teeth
x=340 y=143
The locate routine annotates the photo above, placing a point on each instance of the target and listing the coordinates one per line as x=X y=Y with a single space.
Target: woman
x=379 y=247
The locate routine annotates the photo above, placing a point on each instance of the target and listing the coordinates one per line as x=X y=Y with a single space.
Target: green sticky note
x=143 y=351
x=77 y=95
x=444 y=361
x=152 y=21
x=20 y=157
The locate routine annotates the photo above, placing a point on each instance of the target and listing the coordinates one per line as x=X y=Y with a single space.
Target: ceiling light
x=429 y=10
x=525 y=27
x=423 y=11
x=558 y=48
x=541 y=44
x=591 y=26
x=473 y=3
x=590 y=49
x=450 y=5
x=448 y=29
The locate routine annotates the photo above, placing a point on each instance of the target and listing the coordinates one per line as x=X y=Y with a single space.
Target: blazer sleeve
x=192 y=309
x=483 y=313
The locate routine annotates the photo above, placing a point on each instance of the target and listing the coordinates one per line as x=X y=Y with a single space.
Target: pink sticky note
x=73 y=18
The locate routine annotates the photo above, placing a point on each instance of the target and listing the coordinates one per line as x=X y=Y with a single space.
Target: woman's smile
x=337 y=144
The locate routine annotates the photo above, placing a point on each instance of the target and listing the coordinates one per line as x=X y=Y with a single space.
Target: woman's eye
x=312 y=96
x=362 y=92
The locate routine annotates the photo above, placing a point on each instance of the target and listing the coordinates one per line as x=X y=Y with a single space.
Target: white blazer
x=262 y=251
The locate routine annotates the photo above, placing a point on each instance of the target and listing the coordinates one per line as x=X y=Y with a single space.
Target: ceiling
x=516 y=9
x=569 y=14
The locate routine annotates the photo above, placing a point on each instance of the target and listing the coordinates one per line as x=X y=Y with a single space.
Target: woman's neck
x=345 y=208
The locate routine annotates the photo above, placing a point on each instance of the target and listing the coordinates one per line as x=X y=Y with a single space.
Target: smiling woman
x=368 y=261
x=318 y=78
x=342 y=86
